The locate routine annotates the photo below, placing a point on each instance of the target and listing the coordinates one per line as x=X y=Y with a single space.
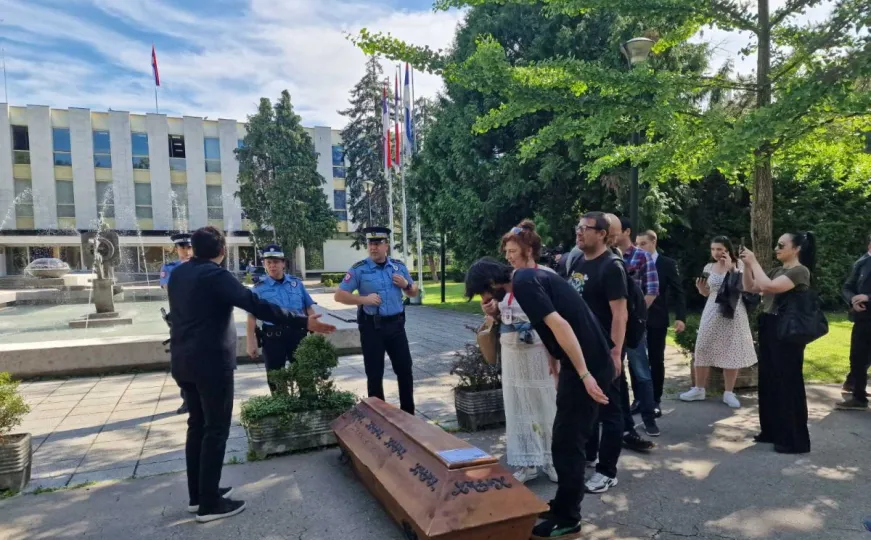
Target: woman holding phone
x=529 y=374
x=722 y=342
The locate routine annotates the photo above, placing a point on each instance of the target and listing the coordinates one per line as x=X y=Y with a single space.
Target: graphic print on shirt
x=577 y=280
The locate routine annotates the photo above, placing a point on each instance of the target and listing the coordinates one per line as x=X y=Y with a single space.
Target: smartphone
x=741 y=246
x=706 y=275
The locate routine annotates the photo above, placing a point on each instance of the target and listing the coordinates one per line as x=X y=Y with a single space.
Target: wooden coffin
x=432 y=483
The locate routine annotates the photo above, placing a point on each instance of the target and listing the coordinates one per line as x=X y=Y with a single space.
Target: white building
x=147 y=176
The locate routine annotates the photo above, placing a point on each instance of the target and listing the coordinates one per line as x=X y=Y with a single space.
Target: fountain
x=47 y=268
x=101 y=251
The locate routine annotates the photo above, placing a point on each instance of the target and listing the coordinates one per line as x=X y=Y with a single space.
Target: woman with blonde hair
x=529 y=373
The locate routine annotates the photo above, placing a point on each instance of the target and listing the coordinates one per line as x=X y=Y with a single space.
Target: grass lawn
x=454 y=299
x=827 y=359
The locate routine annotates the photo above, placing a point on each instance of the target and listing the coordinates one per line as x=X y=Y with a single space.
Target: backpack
x=636 y=307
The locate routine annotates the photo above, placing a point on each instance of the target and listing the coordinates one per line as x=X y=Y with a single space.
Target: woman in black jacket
x=782 y=400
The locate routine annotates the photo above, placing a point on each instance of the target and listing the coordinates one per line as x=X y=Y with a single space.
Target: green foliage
x=12 y=405
x=334 y=277
x=686 y=340
x=474 y=372
x=279 y=186
x=327 y=282
x=304 y=386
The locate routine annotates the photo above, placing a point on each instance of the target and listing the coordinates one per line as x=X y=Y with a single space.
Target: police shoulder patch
x=347 y=277
x=397 y=261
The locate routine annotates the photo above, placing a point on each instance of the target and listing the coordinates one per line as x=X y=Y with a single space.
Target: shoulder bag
x=800 y=318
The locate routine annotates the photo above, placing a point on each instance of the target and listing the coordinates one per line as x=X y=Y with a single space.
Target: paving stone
x=54 y=482
x=55 y=468
x=102 y=476
x=163 y=467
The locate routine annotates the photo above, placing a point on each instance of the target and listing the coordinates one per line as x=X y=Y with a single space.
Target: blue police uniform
x=280 y=342
x=166 y=271
x=180 y=240
x=382 y=328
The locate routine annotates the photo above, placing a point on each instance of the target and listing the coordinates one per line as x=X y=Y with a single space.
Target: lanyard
x=511 y=294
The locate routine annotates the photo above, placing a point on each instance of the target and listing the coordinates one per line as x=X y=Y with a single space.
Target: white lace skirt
x=530 y=402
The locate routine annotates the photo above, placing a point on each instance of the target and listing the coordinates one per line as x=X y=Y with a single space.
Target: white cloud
x=210 y=65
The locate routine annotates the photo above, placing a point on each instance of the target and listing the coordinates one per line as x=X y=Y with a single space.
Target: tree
x=363 y=142
x=811 y=78
x=279 y=186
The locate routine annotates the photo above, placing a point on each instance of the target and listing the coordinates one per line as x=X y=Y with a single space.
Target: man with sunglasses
x=381 y=282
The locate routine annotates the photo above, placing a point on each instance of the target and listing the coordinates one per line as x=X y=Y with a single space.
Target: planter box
x=478 y=410
x=15 y=459
x=308 y=430
x=748 y=378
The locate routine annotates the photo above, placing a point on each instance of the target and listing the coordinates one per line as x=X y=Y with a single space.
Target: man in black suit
x=203 y=338
x=658 y=313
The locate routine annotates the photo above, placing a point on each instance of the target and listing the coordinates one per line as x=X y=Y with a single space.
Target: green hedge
x=334 y=277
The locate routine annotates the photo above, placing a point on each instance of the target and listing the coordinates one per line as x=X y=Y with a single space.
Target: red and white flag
x=154 y=66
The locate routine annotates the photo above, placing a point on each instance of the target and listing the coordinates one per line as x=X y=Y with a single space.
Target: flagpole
x=405 y=239
x=156 y=106
x=416 y=205
x=387 y=174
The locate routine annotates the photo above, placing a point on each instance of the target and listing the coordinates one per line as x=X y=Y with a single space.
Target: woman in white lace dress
x=722 y=342
x=528 y=371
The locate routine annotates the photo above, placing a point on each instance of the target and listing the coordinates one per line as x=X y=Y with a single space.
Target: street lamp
x=636 y=51
x=368 y=185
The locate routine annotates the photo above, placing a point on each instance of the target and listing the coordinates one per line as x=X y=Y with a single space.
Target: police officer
x=184 y=251
x=288 y=292
x=381 y=282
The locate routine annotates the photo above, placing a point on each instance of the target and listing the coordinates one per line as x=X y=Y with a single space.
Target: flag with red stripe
x=154 y=66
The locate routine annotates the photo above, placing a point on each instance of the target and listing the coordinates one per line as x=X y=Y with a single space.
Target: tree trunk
x=432 y=267
x=763 y=187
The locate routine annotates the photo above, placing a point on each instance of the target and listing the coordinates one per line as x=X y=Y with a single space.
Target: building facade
x=67 y=170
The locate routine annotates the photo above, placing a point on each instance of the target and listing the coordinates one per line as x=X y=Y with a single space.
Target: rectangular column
x=229 y=136
x=122 y=170
x=7 y=185
x=195 y=163
x=158 y=160
x=84 y=186
x=323 y=139
x=42 y=167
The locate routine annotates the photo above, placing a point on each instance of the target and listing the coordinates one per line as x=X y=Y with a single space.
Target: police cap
x=272 y=251
x=377 y=234
x=181 y=239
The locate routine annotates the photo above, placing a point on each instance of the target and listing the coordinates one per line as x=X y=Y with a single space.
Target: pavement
x=705 y=480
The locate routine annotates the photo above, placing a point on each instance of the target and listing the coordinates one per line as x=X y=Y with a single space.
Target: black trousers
x=782 y=398
x=608 y=444
x=378 y=337
x=572 y=427
x=210 y=405
x=860 y=358
x=656 y=354
x=279 y=346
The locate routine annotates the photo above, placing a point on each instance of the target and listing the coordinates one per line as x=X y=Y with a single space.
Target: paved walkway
x=116 y=427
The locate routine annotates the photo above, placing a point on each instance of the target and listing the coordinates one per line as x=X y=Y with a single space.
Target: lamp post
x=368 y=185
x=636 y=51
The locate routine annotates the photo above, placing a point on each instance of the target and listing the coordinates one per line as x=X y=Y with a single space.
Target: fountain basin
x=100 y=320
x=47 y=268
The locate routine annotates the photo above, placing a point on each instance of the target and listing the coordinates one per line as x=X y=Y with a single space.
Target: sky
x=217 y=58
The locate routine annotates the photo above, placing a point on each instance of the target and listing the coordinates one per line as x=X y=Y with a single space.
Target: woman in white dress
x=529 y=373
x=722 y=342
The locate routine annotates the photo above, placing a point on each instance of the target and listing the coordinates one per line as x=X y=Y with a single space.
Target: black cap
x=377 y=234
x=272 y=251
x=181 y=239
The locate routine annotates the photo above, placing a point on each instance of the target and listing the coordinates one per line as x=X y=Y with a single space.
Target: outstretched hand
x=314 y=325
x=595 y=392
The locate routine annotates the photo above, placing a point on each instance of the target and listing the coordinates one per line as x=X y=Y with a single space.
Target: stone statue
x=102 y=252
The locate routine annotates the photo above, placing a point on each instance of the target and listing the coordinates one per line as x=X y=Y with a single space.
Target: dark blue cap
x=272 y=251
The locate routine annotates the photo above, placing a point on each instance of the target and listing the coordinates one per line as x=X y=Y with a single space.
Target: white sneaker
x=731 y=400
x=599 y=483
x=694 y=394
x=525 y=474
x=551 y=473
x=592 y=464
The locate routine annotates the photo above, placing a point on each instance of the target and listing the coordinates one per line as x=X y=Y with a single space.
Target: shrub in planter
x=478 y=395
x=298 y=415
x=327 y=282
x=15 y=449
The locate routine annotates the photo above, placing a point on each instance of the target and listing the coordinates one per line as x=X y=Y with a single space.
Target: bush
x=304 y=386
x=686 y=340
x=456 y=275
x=12 y=405
x=474 y=372
x=327 y=282
x=333 y=277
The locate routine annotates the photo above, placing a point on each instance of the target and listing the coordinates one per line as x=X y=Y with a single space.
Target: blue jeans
x=642 y=382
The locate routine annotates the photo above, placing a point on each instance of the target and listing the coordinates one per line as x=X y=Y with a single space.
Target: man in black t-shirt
x=572 y=335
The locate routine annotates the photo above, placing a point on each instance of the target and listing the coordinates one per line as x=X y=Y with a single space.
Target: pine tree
x=279 y=186
x=362 y=139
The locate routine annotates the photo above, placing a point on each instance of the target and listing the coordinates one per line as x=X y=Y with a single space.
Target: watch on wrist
x=407 y=288
x=584 y=375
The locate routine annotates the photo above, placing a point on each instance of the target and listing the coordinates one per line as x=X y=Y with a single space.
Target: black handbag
x=800 y=318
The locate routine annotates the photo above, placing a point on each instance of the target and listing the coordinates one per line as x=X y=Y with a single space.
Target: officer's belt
x=273 y=331
x=382 y=318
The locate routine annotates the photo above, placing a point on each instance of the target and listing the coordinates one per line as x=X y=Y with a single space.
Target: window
x=143 y=201
x=23 y=198
x=102 y=150
x=341 y=215
x=66 y=203
x=338 y=161
x=62 y=152
x=215 y=202
x=212 y=149
x=240 y=143
x=105 y=200
x=339 y=200
x=140 y=150
x=176 y=153
x=179 y=202
x=21 y=145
